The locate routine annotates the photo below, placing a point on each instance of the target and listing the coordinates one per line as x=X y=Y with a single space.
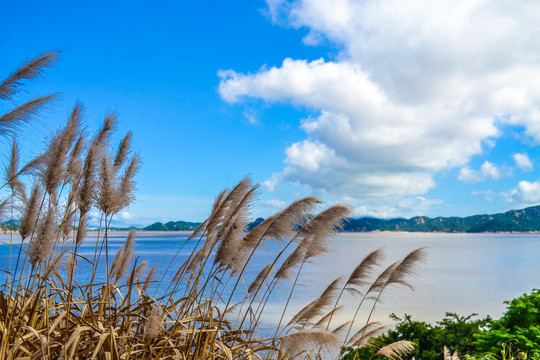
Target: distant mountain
x=173 y=226
x=525 y=220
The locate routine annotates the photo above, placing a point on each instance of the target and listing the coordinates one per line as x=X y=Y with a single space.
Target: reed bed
x=209 y=310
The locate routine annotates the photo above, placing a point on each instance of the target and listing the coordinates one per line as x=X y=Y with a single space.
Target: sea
x=462 y=273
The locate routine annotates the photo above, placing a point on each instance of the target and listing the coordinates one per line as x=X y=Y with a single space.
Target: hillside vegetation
x=525 y=220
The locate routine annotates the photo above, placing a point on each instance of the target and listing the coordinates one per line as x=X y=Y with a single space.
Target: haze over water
x=463 y=273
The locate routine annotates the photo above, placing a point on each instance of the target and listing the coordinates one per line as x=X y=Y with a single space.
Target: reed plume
x=30 y=212
x=127 y=184
x=406 y=268
x=396 y=350
x=81 y=230
x=450 y=356
x=326 y=318
x=32 y=70
x=149 y=278
x=153 y=324
x=12 y=175
x=123 y=150
x=366 y=333
x=316 y=307
x=359 y=276
x=309 y=341
x=40 y=245
x=259 y=279
x=11 y=120
x=295 y=258
x=85 y=194
x=123 y=258
x=107 y=196
x=74 y=165
x=140 y=269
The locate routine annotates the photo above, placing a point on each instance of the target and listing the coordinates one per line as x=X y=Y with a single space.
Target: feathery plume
x=109 y=125
x=295 y=258
x=53 y=264
x=285 y=222
x=12 y=176
x=396 y=350
x=53 y=167
x=227 y=209
x=448 y=355
x=406 y=268
x=81 y=230
x=123 y=257
x=74 y=165
x=362 y=270
x=127 y=184
x=41 y=244
x=382 y=280
x=341 y=327
x=153 y=324
x=86 y=191
x=30 y=212
x=107 y=195
x=258 y=281
x=123 y=150
x=23 y=113
x=149 y=278
x=229 y=252
x=326 y=317
x=67 y=223
x=301 y=341
x=316 y=307
x=215 y=213
x=140 y=269
x=323 y=226
x=362 y=336
x=31 y=70
x=3 y=207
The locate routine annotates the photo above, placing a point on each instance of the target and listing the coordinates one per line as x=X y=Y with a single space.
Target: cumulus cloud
x=407 y=207
x=525 y=194
x=276 y=204
x=487 y=171
x=523 y=162
x=418 y=87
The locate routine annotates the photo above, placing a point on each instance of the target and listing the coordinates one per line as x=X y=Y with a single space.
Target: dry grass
x=207 y=310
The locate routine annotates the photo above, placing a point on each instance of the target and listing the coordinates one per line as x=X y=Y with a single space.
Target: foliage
x=514 y=220
x=454 y=331
x=520 y=325
x=173 y=226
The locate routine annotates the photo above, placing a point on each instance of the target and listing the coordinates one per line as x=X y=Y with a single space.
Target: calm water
x=463 y=273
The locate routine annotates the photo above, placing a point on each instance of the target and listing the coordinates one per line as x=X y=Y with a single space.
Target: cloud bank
x=418 y=87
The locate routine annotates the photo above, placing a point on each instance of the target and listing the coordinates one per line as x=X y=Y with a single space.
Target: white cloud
x=251 y=117
x=523 y=162
x=271 y=183
x=418 y=87
x=125 y=216
x=487 y=171
x=276 y=204
x=407 y=207
x=525 y=194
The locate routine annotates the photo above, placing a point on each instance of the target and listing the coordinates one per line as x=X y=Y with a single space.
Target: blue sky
x=397 y=108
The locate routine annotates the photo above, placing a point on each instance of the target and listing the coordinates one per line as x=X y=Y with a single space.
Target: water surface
x=463 y=273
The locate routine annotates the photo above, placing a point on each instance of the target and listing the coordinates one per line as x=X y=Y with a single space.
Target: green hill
x=525 y=220
x=172 y=226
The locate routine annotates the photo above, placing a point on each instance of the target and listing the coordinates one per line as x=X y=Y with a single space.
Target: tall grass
x=209 y=310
